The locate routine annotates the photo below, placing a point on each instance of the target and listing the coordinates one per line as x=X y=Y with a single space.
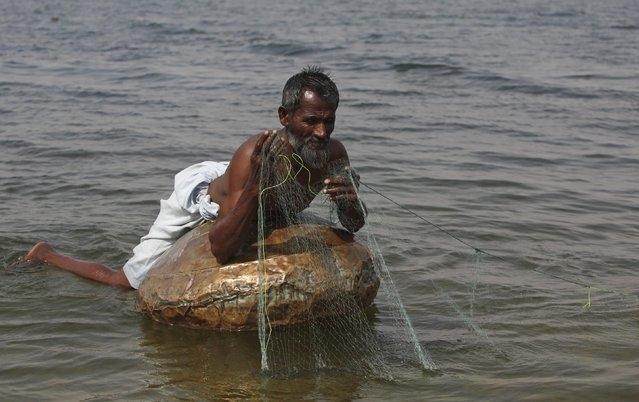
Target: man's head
x=309 y=102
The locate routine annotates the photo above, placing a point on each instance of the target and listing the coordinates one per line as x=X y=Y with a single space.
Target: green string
x=588 y=303
x=423 y=355
x=263 y=320
x=478 y=250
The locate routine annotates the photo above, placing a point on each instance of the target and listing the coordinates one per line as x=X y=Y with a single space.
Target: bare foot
x=38 y=252
x=36 y=255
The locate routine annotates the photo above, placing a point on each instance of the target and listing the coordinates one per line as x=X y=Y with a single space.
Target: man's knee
x=119 y=279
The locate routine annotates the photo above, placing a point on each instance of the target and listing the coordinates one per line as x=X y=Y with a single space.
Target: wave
x=626 y=27
x=10 y=143
x=438 y=68
x=366 y=105
x=600 y=77
x=522 y=161
x=546 y=89
x=146 y=77
x=525 y=86
x=384 y=92
x=93 y=93
x=560 y=14
x=290 y=48
x=166 y=29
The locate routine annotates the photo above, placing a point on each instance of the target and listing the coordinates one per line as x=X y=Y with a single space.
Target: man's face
x=310 y=128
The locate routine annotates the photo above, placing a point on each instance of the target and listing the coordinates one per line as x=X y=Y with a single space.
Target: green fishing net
x=339 y=332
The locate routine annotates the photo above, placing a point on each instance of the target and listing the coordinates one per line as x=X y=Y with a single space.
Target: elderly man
x=229 y=191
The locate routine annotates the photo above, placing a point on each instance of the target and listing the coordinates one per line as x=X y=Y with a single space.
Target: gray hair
x=313 y=78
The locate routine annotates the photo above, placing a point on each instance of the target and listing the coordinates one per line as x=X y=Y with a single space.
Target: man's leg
x=44 y=253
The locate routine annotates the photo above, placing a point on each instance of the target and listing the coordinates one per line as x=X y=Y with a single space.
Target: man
x=229 y=192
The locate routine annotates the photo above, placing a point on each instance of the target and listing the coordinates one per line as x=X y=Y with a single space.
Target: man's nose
x=321 y=132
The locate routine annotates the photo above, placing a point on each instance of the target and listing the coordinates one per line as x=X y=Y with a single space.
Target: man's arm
x=43 y=253
x=350 y=210
x=237 y=217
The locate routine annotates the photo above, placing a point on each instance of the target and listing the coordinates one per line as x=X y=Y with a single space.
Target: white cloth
x=188 y=206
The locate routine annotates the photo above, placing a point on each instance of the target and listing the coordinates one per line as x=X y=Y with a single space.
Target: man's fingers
x=275 y=143
x=269 y=140
x=339 y=189
x=260 y=142
x=272 y=153
x=278 y=147
x=266 y=139
x=336 y=181
x=356 y=177
x=344 y=197
x=333 y=191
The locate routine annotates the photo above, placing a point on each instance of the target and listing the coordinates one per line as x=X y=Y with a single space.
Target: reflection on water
x=210 y=365
x=512 y=124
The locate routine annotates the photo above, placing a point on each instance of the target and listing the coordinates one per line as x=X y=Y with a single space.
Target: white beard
x=315 y=158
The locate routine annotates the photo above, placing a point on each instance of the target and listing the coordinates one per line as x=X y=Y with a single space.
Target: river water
x=513 y=124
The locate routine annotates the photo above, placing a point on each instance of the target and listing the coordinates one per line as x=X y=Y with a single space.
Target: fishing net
x=338 y=330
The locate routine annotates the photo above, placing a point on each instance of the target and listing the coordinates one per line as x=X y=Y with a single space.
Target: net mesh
x=338 y=329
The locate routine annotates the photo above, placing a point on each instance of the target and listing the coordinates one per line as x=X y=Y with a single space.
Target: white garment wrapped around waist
x=188 y=206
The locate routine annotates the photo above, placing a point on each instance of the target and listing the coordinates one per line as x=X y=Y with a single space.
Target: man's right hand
x=237 y=216
x=268 y=148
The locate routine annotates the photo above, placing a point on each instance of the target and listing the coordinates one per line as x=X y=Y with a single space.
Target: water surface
x=512 y=124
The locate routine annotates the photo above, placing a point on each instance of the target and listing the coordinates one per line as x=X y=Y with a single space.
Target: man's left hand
x=340 y=189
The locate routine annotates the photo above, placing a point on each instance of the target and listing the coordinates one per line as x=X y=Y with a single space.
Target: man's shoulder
x=337 y=150
x=242 y=156
x=248 y=145
x=245 y=150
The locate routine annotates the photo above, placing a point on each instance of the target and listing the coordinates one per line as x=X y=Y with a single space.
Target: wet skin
x=310 y=126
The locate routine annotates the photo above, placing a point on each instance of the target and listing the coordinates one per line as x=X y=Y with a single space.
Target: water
x=513 y=124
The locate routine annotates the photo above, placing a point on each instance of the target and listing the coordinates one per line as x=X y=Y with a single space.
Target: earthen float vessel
x=187 y=286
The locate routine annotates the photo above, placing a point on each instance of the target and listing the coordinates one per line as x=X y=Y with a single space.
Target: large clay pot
x=187 y=285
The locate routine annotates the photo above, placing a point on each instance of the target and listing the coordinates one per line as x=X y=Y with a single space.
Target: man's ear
x=285 y=118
